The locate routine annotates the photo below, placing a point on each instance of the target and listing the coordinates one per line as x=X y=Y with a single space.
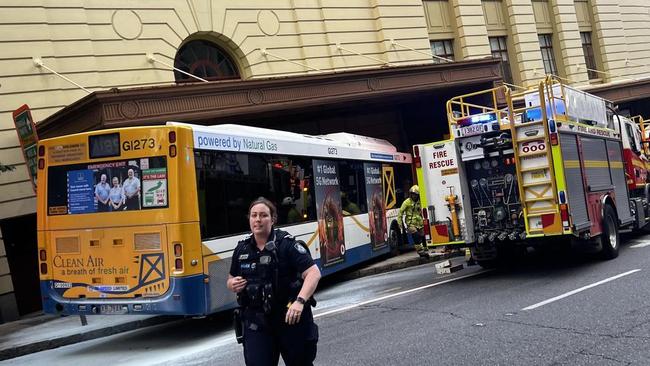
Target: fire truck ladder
x=534 y=162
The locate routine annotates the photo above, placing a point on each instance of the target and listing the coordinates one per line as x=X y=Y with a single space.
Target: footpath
x=40 y=332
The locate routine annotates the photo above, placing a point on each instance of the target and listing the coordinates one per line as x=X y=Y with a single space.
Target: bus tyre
x=394 y=241
x=609 y=238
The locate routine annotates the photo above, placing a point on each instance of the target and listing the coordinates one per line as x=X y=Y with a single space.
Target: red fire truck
x=520 y=168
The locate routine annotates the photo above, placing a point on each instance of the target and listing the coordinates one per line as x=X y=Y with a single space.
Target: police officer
x=292 y=215
x=410 y=215
x=274 y=278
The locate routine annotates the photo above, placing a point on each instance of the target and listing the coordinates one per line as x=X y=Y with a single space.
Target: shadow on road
x=184 y=332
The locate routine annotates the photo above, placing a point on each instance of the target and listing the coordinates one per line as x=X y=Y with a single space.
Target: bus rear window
x=120 y=185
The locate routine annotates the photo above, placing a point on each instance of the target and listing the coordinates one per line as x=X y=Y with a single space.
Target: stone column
x=569 y=44
x=523 y=32
x=609 y=32
x=470 y=29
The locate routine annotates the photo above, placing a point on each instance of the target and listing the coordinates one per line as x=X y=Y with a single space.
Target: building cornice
x=622 y=92
x=203 y=103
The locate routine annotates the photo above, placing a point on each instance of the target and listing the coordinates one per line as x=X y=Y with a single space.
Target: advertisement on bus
x=329 y=212
x=123 y=185
x=376 y=207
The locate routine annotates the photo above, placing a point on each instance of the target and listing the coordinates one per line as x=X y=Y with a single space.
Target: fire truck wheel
x=609 y=237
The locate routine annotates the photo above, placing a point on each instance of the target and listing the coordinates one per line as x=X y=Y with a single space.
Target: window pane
x=444 y=48
x=228 y=182
x=494 y=43
x=587 y=49
x=353 y=188
x=203 y=59
x=546 y=47
x=449 y=50
x=500 y=51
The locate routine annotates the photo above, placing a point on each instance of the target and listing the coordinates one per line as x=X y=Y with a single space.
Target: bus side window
x=353 y=188
x=291 y=189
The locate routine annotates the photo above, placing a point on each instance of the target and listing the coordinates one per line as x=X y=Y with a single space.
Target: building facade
x=380 y=67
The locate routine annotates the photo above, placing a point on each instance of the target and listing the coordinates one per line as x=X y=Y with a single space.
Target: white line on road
x=579 y=290
x=390 y=290
x=356 y=305
x=641 y=245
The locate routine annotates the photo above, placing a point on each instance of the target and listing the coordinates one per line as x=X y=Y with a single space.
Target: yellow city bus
x=144 y=220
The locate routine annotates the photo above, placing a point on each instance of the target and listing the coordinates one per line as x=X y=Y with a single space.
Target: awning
x=203 y=103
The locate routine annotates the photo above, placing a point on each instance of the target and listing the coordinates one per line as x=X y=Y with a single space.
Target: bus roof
x=239 y=138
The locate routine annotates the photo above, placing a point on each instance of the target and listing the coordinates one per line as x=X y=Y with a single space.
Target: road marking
x=390 y=290
x=356 y=305
x=579 y=290
x=640 y=245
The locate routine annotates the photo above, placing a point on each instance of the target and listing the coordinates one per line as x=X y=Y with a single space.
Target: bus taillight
x=172 y=150
x=43 y=268
x=42 y=254
x=41 y=150
x=178 y=253
x=178 y=249
x=172 y=137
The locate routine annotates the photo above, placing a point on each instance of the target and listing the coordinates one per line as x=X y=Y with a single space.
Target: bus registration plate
x=113 y=309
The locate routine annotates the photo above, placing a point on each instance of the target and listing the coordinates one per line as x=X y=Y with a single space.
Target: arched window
x=205 y=60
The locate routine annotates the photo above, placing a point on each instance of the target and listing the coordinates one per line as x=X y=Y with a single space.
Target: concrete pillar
x=528 y=68
x=567 y=35
x=609 y=32
x=471 y=30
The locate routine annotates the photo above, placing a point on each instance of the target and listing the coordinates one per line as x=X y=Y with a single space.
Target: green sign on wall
x=28 y=139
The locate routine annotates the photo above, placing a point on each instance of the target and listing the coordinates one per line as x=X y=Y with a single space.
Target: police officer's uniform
x=266 y=334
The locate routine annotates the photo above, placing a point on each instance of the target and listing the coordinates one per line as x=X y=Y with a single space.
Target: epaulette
x=246 y=239
x=281 y=234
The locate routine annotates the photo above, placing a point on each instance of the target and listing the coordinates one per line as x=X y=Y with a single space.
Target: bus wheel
x=609 y=237
x=394 y=241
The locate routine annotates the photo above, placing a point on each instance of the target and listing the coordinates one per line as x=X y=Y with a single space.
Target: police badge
x=300 y=248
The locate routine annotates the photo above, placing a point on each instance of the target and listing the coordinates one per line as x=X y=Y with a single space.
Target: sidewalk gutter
x=391 y=264
x=15 y=338
x=47 y=344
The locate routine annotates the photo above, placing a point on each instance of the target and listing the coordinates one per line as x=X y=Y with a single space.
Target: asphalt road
x=551 y=309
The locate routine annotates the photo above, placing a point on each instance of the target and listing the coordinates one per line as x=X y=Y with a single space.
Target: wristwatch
x=301 y=300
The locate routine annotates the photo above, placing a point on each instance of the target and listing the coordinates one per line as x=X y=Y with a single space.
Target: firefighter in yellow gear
x=410 y=216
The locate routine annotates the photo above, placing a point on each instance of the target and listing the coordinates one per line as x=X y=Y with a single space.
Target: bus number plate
x=113 y=309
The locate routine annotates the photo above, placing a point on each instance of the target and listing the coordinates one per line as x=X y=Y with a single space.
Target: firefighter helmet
x=415 y=189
